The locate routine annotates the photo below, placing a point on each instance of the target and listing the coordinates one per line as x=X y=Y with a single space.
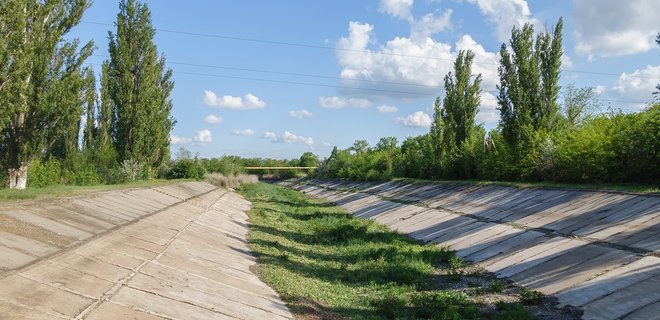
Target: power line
x=311 y=46
x=352 y=88
x=292 y=74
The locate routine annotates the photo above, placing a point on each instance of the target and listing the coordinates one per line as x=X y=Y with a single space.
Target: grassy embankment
x=328 y=265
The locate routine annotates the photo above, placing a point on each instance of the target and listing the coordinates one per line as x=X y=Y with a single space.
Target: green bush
x=44 y=173
x=186 y=169
x=85 y=176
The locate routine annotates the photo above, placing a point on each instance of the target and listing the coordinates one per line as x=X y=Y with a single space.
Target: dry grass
x=232 y=182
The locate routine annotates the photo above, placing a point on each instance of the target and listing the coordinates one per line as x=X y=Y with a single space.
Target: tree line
x=55 y=125
x=538 y=138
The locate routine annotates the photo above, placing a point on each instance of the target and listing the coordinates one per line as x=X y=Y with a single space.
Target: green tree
x=437 y=137
x=578 y=105
x=461 y=102
x=308 y=159
x=40 y=73
x=139 y=87
x=527 y=99
x=528 y=89
x=90 y=103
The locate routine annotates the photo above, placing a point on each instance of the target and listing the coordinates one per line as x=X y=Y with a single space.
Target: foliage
x=528 y=90
x=40 y=80
x=528 y=296
x=186 y=169
x=139 y=88
x=44 y=173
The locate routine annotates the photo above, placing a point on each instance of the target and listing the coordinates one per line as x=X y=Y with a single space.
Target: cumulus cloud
x=505 y=14
x=638 y=85
x=397 y=8
x=614 y=27
x=270 y=136
x=174 y=139
x=430 y=24
x=203 y=136
x=339 y=103
x=599 y=89
x=387 y=109
x=488 y=113
x=405 y=65
x=300 y=114
x=243 y=132
x=288 y=137
x=248 y=101
x=213 y=119
x=418 y=119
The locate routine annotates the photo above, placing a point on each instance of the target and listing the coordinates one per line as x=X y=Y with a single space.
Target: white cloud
x=326 y=145
x=505 y=14
x=203 y=136
x=488 y=113
x=290 y=137
x=339 y=103
x=213 y=119
x=418 y=119
x=270 y=136
x=301 y=114
x=599 y=89
x=430 y=24
x=614 y=27
x=387 y=109
x=248 y=101
x=397 y=8
x=638 y=85
x=405 y=65
x=174 y=139
x=332 y=102
x=243 y=132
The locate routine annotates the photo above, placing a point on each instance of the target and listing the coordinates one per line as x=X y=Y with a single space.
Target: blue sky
x=279 y=78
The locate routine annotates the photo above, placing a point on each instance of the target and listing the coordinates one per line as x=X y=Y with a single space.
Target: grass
x=616 y=187
x=328 y=265
x=9 y=195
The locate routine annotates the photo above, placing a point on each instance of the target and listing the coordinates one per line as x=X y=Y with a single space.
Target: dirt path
x=174 y=252
x=595 y=250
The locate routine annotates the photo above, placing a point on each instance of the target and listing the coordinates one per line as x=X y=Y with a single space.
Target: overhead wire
x=303 y=45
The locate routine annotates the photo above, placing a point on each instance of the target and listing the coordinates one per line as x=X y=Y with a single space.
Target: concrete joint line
x=123 y=282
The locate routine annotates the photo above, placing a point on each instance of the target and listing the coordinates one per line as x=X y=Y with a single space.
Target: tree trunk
x=18 y=177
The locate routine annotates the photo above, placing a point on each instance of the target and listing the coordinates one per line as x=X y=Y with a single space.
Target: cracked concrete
x=599 y=251
x=174 y=252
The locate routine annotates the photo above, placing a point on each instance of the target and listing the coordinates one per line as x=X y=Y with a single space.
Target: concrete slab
x=612 y=281
x=165 y=307
x=189 y=261
x=46 y=299
x=48 y=224
x=113 y=311
x=25 y=245
x=25 y=313
x=625 y=301
x=499 y=248
x=533 y=256
x=12 y=259
x=651 y=311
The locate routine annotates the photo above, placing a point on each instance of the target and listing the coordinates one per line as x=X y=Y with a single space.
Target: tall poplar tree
x=528 y=88
x=139 y=87
x=461 y=102
x=39 y=73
